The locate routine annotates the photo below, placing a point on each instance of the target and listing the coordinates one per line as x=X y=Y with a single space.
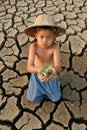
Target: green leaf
x=47 y=69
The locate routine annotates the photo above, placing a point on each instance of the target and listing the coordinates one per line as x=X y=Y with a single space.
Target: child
x=41 y=53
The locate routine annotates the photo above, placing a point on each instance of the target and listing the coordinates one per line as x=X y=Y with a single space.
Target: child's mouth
x=44 y=44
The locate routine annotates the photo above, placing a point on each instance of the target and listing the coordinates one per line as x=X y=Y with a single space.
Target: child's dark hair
x=46 y=27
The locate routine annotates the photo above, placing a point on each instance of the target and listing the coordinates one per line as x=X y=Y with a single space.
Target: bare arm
x=31 y=57
x=56 y=56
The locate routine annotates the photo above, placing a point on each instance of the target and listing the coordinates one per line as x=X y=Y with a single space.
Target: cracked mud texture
x=16 y=112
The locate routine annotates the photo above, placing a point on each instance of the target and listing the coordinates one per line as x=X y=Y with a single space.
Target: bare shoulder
x=32 y=47
x=56 y=46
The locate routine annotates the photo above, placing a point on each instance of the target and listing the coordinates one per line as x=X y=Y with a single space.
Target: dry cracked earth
x=16 y=112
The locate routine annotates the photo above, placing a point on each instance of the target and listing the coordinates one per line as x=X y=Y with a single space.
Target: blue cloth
x=37 y=89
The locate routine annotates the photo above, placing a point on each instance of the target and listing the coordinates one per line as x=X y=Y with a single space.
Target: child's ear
x=35 y=35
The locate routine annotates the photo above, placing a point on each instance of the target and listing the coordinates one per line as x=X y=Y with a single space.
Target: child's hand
x=43 y=77
x=47 y=74
x=46 y=78
x=53 y=75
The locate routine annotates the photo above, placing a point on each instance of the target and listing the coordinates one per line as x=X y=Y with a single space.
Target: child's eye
x=48 y=37
x=41 y=37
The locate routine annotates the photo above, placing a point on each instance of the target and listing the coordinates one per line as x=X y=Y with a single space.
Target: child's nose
x=45 y=39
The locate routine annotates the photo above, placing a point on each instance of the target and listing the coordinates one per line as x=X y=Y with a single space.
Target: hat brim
x=30 y=31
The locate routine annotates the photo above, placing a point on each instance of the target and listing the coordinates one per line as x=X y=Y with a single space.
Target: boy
x=42 y=53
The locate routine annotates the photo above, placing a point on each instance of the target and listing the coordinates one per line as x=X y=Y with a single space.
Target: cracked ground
x=16 y=112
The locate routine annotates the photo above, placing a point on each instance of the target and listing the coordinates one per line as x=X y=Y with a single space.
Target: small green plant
x=46 y=70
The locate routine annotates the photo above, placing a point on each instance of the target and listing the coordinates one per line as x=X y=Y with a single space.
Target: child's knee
x=36 y=99
x=56 y=98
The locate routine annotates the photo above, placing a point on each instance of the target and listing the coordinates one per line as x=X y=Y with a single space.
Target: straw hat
x=43 y=20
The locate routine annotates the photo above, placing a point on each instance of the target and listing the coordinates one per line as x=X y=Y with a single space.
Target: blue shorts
x=37 y=90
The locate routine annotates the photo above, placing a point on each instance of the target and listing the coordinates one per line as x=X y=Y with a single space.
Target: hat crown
x=44 y=20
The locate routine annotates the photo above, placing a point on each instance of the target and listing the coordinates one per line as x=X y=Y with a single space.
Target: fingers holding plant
x=48 y=73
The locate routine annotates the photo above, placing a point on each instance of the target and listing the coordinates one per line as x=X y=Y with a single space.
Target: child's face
x=45 y=37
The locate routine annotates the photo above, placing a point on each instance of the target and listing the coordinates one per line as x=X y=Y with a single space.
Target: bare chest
x=44 y=56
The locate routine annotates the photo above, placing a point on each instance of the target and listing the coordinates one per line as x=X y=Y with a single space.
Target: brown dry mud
x=16 y=112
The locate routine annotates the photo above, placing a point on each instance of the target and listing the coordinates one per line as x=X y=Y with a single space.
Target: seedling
x=46 y=70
